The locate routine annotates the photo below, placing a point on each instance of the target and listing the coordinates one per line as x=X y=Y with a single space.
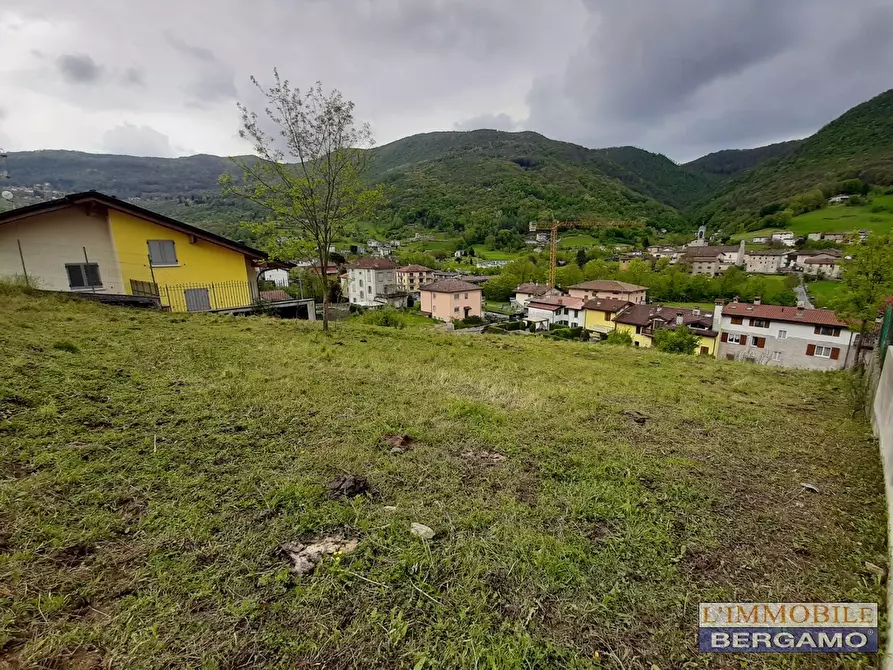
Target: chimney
x=800 y=310
x=757 y=300
x=735 y=299
x=679 y=318
x=696 y=311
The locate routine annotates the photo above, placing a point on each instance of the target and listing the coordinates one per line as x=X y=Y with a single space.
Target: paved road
x=803 y=296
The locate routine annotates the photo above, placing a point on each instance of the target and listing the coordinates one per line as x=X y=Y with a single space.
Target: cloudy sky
x=682 y=77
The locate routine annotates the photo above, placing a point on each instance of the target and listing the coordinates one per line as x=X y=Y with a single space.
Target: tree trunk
x=324 y=276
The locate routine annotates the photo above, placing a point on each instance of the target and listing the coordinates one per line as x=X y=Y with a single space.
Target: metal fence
x=196 y=297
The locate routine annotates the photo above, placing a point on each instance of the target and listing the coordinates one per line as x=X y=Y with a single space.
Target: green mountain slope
x=720 y=166
x=857 y=144
x=437 y=180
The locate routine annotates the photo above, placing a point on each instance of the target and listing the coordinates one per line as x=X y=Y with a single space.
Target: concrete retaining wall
x=882 y=421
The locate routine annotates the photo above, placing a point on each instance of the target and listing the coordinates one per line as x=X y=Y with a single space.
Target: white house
x=791 y=337
x=556 y=311
x=760 y=240
x=765 y=262
x=370 y=281
x=785 y=237
x=843 y=197
x=824 y=265
x=278 y=276
x=524 y=293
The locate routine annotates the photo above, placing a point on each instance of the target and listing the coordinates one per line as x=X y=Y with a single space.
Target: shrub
x=387 y=317
x=66 y=345
x=679 y=340
x=620 y=337
x=511 y=325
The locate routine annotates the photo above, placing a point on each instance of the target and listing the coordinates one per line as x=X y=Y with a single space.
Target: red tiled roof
x=643 y=315
x=608 y=285
x=414 y=268
x=369 y=263
x=606 y=304
x=449 y=286
x=817 y=317
x=556 y=302
x=532 y=289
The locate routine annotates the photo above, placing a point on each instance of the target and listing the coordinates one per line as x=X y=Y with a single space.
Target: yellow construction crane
x=553 y=228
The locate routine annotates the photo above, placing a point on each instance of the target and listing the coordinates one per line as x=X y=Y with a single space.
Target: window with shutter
x=83 y=275
x=761 y=342
x=737 y=320
x=835 y=353
x=810 y=350
x=725 y=337
x=744 y=339
x=162 y=252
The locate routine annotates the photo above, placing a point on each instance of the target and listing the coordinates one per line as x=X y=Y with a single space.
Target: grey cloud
x=489 y=121
x=137 y=141
x=79 y=68
x=133 y=77
x=214 y=86
x=696 y=75
x=197 y=52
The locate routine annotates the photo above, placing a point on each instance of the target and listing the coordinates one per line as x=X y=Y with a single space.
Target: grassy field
x=153 y=465
x=577 y=240
x=705 y=306
x=824 y=292
x=836 y=219
x=482 y=253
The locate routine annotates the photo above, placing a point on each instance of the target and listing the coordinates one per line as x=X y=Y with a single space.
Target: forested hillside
x=451 y=180
x=720 y=166
x=857 y=145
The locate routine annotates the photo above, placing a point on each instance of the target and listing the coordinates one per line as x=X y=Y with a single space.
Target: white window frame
x=776 y=356
x=823 y=349
x=782 y=335
x=737 y=339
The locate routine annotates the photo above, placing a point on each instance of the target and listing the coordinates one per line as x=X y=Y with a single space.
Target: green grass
x=824 y=292
x=836 y=219
x=151 y=472
x=575 y=241
x=482 y=253
x=500 y=307
x=705 y=306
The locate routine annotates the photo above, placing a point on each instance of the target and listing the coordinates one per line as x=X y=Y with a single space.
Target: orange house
x=451 y=299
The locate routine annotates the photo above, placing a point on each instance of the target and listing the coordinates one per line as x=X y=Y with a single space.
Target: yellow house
x=640 y=321
x=600 y=312
x=95 y=243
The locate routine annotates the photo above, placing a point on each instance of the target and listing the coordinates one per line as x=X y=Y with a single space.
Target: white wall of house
x=831 y=270
x=364 y=284
x=786 y=345
x=763 y=263
x=53 y=240
x=563 y=316
x=278 y=277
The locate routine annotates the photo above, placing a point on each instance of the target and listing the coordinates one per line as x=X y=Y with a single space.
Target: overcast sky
x=681 y=77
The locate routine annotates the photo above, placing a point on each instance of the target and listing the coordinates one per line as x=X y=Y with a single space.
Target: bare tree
x=307 y=170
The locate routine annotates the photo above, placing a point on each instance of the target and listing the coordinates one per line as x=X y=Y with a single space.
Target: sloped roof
x=556 y=302
x=821 y=260
x=606 y=304
x=95 y=197
x=370 y=263
x=449 y=286
x=533 y=289
x=414 y=268
x=643 y=315
x=818 y=317
x=609 y=285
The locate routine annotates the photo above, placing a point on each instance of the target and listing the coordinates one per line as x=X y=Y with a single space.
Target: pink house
x=451 y=299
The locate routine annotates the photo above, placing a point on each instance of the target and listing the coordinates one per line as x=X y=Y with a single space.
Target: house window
x=776 y=355
x=734 y=339
x=466 y=296
x=823 y=352
x=759 y=323
x=455 y=310
x=737 y=320
x=361 y=295
x=83 y=275
x=782 y=335
x=455 y=296
x=162 y=252
x=827 y=330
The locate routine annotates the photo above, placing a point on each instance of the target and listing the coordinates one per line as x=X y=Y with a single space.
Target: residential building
x=450 y=299
x=526 y=292
x=801 y=257
x=413 y=277
x=822 y=265
x=713 y=260
x=91 y=242
x=278 y=276
x=760 y=240
x=555 y=311
x=491 y=264
x=641 y=321
x=814 y=237
x=838 y=198
x=769 y=261
x=785 y=237
x=609 y=288
x=370 y=281
x=835 y=237
x=600 y=312
x=791 y=337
